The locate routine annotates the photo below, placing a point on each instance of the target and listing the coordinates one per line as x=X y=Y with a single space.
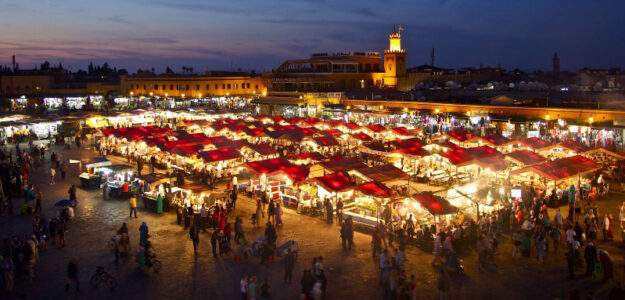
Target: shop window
x=236 y=85
x=216 y=86
x=197 y=87
x=165 y=87
x=228 y=86
x=156 y=87
x=248 y=85
x=187 y=87
x=256 y=86
x=208 y=87
x=132 y=86
x=223 y=86
x=144 y=86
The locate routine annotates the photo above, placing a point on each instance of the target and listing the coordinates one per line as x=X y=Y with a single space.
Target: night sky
x=261 y=34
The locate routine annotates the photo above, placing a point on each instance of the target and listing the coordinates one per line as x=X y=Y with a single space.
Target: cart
x=283 y=249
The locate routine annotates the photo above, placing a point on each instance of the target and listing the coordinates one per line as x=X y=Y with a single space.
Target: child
x=254 y=220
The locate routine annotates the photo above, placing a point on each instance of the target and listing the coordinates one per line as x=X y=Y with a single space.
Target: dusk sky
x=260 y=35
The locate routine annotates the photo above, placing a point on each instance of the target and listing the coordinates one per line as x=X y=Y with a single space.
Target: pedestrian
x=203 y=217
x=444 y=285
x=214 y=239
x=8 y=273
x=133 y=206
x=252 y=289
x=590 y=256
x=238 y=230
x=62 y=231
x=278 y=215
x=194 y=234
x=63 y=170
x=72 y=274
x=265 y=290
x=271 y=209
x=143 y=233
x=570 y=261
x=244 y=287
x=52 y=173
x=307 y=282
x=289 y=264
x=38 y=198
x=376 y=242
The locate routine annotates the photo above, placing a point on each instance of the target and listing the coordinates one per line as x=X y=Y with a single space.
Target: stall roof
x=337 y=182
x=403 y=131
x=361 y=136
x=343 y=164
x=449 y=145
x=220 y=154
x=194 y=188
x=383 y=173
x=413 y=151
x=326 y=141
x=351 y=126
x=534 y=143
x=407 y=143
x=375 y=189
x=458 y=157
x=563 y=168
x=263 y=149
x=495 y=140
x=374 y=147
x=574 y=146
x=331 y=132
x=525 y=157
x=120 y=168
x=275 y=165
x=377 y=128
x=436 y=205
x=459 y=136
x=94 y=162
x=184 y=150
x=614 y=153
x=482 y=151
x=312 y=156
x=155 y=177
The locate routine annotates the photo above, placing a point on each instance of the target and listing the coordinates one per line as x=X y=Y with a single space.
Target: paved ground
x=187 y=276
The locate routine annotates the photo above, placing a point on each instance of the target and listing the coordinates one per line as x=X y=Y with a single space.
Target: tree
x=90 y=68
x=45 y=66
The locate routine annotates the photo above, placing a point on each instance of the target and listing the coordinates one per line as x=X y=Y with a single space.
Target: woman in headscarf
x=143 y=230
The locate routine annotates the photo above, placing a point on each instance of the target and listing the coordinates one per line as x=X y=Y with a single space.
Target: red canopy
x=326 y=141
x=331 y=132
x=562 y=168
x=336 y=182
x=312 y=156
x=275 y=165
x=263 y=149
x=361 y=136
x=483 y=151
x=458 y=157
x=413 y=151
x=526 y=157
x=375 y=189
x=351 y=126
x=376 y=128
x=219 y=154
x=495 y=139
x=403 y=131
x=574 y=146
x=449 y=145
x=184 y=150
x=434 y=204
x=408 y=143
x=344 y=164
x=535 y=143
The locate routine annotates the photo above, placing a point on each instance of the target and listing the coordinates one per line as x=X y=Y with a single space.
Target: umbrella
x=63 y=203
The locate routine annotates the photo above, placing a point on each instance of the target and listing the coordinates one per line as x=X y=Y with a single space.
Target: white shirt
x=570 y=235
x=243 y=286
x=52 y=172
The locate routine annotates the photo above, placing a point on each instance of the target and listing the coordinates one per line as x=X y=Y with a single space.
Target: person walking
x=590 y=256
x=376 y=242
x=7 y=270
x=238 y=230
x=252 y=289
x=52 y=173
x=63 y=171
x=278 y=214
x=244 y=287
x=289 y=264
x=133 y=206
x=194 y=234
x=143 y=233
x=72 y=274
x=38 y=199
x=271 y=210
x=444 y=285
x=214 y=239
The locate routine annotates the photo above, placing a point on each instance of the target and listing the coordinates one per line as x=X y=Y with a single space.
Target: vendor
x=125 y=189
x=159 y=204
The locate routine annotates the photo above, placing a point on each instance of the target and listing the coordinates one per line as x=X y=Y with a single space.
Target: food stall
x=116 y=176
x=424 y=208
x=90 y=177
x=369 y=199
x=196 y=195
x=331 y=186
x=153 y=186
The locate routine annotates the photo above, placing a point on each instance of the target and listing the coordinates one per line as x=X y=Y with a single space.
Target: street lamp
x=591 y=119
x=547 y=117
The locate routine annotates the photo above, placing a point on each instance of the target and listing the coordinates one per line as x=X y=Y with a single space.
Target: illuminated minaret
x=394 y=59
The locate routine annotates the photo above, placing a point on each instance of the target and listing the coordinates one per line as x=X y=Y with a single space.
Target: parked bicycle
x=102 y=276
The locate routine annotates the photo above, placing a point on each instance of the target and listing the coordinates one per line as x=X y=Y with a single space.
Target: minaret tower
x=394 y=60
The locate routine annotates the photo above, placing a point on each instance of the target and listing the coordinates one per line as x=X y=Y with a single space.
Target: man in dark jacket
x=289 y=264
x=72 y=274
x=194 y=234
x=590 y=256
x=214 y=239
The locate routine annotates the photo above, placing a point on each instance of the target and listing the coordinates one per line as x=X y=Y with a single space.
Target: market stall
x=368 y=202
x=155 y=186
x=120 y=180
x=90 y=177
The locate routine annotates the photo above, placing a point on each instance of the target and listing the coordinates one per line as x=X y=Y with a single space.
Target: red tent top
x=535 y=143
x=460 y=136
x=361 y=136
x=458 y=157
x=263 y=149
x=312 y=156
x=483 y=151
x=434 y=204
x=562 y=168
x=375 y=189
x=449 y=145
x=274 y=165
x=376 y=128
x=413 y=151
x=383 y=173
x=336 y=182
x=351 y=126
x=331 y=132
x=308 y=122
x=408 y=143
x=403 y=131
x=254 y=132
x=495 y=139
x=326 y=141
x=184 y=150
x=219 y=154
x=232 y=144
x=197 y=122
x=574 y=146
x=495 y=163
x=526 y=157
x=344 y=164
x=331 y=123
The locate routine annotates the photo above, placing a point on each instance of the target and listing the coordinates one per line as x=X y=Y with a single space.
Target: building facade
x=212 y=84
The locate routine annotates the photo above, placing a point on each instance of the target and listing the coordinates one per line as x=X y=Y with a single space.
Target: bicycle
x=102 y=276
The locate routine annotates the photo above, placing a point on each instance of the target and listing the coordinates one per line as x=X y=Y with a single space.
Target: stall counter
x=88 y=180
